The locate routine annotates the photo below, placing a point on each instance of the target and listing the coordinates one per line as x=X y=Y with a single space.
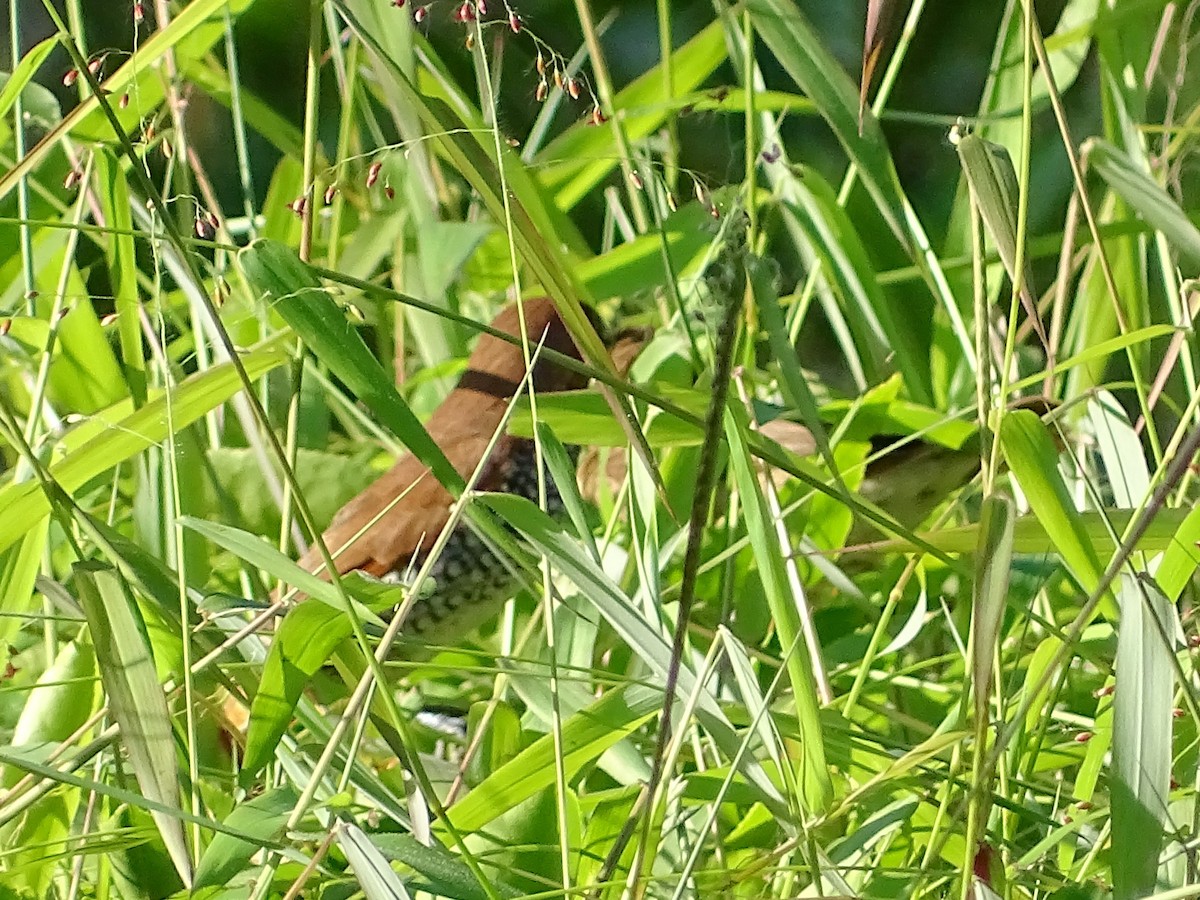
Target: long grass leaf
x=1141 y=749
x=135 y=697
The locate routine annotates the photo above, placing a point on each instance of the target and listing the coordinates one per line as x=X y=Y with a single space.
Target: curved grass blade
x=375 y=876
x=585 y=737
x=447 y=875
x=817 y=787
x=1032 y=536
x=22 y=75
x=993 y=180
x=993 y=566
x=1146 y=196
x=290 y=287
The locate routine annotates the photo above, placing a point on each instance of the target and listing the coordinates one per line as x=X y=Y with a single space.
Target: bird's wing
x=415 y=519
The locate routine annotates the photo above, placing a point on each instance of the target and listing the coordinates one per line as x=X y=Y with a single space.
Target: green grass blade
x=1148 y=198
x=230 y=854
x=22 y=75
x=275 y=272
x=585 y=736
x=1141 y=748
x=817 y=787
x=1033 y=459
x=135 y=698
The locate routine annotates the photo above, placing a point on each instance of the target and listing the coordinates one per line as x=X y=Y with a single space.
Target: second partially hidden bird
x=470 y=582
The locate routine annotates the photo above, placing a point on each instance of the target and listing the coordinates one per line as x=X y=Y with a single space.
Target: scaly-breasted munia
x=470 y=582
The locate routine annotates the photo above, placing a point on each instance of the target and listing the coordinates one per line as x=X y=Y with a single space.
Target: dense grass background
x=926 y=631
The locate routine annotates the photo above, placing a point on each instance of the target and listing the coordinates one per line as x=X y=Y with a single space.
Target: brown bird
x=470 y=582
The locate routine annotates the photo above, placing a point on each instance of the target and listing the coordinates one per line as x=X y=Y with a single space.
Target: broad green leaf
x=447 y=874
x=62 y=700
x=583 y=418
x=1039 y=664
x=1120 y=449
x=1098 y=352
x=561 y=468
x=1068 y=47
x=303 y=642
x=628 y=268
x=1181 y=554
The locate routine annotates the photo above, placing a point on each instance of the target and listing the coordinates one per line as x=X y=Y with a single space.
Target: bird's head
x=496 y=367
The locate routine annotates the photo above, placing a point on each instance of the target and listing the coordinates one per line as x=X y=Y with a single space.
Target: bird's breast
x=469 y=582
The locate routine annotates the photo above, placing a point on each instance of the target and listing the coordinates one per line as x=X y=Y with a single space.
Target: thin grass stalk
x=312 y=95
x=39 y=405
x=750 y=137
x=1019 y=267
x=670 y=171
x=616 y=121
x=560 y=777
x=346 y=65
x=238 y=121
x=1039 y=46
x=24 y=234
x=291 y=445
x=733 y=295
x=1062 y=284
x=177 y=107
x=170 y=459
